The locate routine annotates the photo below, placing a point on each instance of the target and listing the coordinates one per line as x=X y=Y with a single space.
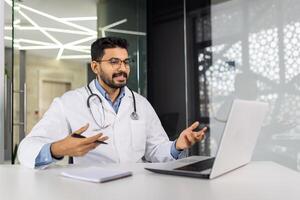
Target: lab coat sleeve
x=158 y=145
x=52 y=127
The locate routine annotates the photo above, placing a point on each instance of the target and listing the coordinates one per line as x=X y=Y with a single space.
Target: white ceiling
x=50 y=27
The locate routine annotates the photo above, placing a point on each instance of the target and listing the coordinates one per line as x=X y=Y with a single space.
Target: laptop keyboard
x=198 y=166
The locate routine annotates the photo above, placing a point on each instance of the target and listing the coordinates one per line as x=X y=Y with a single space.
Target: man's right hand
x=71 y=146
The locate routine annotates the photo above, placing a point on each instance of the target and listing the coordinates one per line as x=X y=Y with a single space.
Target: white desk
x=256 y=181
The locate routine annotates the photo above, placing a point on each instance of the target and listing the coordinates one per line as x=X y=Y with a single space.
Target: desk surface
x=256 y=181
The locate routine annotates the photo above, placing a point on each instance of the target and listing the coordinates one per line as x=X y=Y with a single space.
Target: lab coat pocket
x=138 y=135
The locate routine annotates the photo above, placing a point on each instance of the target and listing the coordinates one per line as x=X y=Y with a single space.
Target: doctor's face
x=113 y=69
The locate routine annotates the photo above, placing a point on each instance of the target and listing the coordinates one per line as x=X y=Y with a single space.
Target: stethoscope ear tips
x=134 y=116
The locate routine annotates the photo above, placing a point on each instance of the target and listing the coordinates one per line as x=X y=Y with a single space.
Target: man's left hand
x=188 y=137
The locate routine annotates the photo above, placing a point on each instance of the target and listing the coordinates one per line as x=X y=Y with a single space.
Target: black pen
x=75 y=135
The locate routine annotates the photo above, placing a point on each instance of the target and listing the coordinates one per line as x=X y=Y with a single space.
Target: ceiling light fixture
x=126 y=32
x=58 y=19
x=34 y=42
x=69 y=19
x=39 y=47
x=109 y=27
x=76 y=57
x=57 y=44
x=55 y=30
x=60 y=52
x=81 y=40
x=32 y=28
x=39 y=28
x=103 y=29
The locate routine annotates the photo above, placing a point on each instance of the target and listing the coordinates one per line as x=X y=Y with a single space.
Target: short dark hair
x=98 y=47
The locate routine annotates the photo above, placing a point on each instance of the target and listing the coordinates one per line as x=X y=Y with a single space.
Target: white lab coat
x=129 y=140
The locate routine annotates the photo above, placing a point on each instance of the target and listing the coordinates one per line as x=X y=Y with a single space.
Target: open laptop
x=235 y=150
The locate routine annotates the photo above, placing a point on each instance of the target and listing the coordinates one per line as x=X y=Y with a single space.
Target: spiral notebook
x=96 y=174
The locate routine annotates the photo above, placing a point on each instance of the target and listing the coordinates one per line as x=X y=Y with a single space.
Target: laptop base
x=180 y=173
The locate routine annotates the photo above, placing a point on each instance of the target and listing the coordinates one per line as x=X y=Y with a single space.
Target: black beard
x=110 y=83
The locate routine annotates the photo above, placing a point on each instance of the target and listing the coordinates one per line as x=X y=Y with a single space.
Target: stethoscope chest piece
x=134 y=116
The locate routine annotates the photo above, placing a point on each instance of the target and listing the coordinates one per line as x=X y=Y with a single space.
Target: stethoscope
x=133 y=115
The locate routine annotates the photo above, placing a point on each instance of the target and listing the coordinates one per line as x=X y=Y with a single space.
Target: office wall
x=1 y=81
x=166 y=72
x=40 y=68
x=255 y=47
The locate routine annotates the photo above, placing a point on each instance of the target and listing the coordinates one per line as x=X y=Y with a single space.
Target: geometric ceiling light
x=76 y=45
x=108 y=28
x=87 y=33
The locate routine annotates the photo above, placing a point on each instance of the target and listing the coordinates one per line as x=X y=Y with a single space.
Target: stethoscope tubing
x=133 y=115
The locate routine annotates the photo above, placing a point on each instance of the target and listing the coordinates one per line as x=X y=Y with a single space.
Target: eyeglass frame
x=127 y=65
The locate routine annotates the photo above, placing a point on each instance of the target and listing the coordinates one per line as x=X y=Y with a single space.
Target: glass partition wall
x=127 y=19
x=8 y=77
x=248 y=50
x=2 y=83
x=47 y=52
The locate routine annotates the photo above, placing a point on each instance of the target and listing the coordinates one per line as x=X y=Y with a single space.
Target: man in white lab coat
x=105 y=111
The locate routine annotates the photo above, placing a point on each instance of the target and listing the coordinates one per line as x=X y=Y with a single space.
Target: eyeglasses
x=116 y=62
